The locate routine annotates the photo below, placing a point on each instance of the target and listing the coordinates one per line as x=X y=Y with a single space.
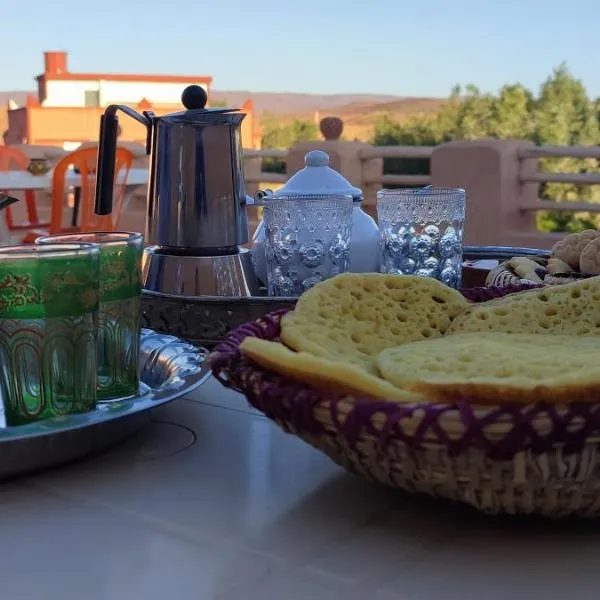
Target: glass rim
x=425 y=192
x=310 y=202
x=90 y=237
x=29 y=251
x=291 y=196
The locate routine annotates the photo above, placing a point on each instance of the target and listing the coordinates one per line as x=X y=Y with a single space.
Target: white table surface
x=23 y=180
x=213 y=501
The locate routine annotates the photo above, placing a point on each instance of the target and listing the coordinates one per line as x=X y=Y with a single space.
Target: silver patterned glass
x=307 y=240
x=421 y=232
x=48 y=309
x=119 y=309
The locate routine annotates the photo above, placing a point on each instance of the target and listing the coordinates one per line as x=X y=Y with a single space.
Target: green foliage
x=389 y=133
x=284 y=137
x=275 y=136
x=564 y=115
x=561 y=114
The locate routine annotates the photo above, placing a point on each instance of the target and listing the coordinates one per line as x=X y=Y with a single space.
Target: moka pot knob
x=194 y=97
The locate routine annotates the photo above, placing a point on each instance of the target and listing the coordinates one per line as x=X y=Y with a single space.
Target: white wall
x=72 y=93
x=68 y=93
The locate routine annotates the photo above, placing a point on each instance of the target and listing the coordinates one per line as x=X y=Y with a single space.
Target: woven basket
x=537 y=459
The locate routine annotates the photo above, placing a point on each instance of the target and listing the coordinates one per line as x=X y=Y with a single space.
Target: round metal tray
x=501 y=252
x=205 y=320
x=170 y=368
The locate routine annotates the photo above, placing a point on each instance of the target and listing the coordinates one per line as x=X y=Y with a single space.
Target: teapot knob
x=194 y=97
x=316 y=158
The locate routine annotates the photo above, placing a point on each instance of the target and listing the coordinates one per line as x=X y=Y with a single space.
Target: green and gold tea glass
x=119 y=309
x=48 y=308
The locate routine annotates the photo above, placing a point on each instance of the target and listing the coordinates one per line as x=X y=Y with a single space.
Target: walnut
x=589 y=261
x=570 y=247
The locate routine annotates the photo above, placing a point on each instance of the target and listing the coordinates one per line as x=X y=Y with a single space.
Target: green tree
x=512 y=113
x=561 y=114
x=564 y=115
x=418 y=132
x=283 y=137
x=474 y=115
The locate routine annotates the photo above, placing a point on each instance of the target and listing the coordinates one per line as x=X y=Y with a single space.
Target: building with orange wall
x=67 y=110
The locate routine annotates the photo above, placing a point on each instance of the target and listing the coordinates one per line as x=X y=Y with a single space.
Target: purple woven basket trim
x=293 y=405
x=227 y=353
x=481 y=294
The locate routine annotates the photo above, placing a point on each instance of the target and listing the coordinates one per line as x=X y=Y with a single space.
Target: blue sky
x=419 y=48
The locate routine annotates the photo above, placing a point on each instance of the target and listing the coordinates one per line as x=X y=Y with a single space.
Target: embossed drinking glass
x=307 y=240
x=421 y=232
x=48 y=307
x=119 y=310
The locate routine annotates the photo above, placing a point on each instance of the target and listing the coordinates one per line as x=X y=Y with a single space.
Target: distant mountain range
x=19 y=97
x=359 y=111
x=279 y=103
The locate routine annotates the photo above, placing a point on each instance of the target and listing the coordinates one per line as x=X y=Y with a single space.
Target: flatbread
x=352 y=317
x=321 y=373
x=572 y=308
x=490 y=368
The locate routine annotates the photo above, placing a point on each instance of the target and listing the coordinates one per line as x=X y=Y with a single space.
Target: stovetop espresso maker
x=196 y=209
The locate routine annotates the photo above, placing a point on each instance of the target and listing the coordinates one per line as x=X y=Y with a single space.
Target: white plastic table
x=23 y=180
x=213 y=501
x=11 y=181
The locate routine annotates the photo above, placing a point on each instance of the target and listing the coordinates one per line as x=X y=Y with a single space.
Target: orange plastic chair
x=84 y=161
x=9 y=159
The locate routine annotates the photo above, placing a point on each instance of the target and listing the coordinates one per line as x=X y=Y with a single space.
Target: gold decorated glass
x=119 y=309
x=48 y=308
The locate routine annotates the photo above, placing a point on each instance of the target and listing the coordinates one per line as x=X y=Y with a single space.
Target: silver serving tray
x=169 y=369
x=205 y=320
x=471 y=253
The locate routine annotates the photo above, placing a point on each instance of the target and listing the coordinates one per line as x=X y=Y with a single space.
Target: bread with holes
x=495 y=367
x=352 y=317
x=321 y=373
x=572 y=308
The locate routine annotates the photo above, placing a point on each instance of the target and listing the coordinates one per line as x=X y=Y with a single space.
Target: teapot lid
x=194 y=99
x=318 y=177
